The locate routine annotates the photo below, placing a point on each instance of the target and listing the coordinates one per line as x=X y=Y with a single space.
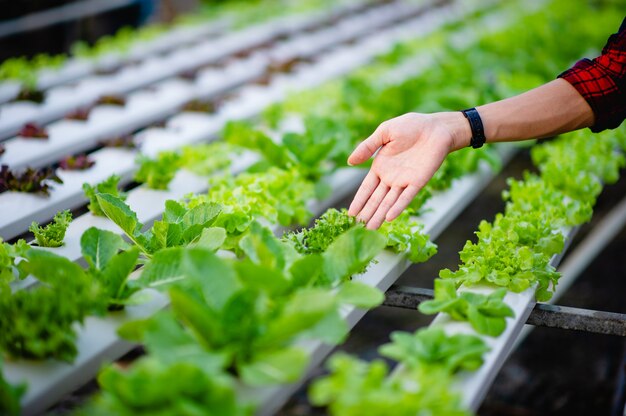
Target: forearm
x=550 y=109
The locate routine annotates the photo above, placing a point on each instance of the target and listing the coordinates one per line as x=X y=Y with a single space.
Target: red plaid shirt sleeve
x=602 y=82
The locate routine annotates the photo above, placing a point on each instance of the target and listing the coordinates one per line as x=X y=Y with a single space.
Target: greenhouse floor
x=554 y=371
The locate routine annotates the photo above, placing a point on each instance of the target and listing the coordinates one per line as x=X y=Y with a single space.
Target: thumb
x=366 y=148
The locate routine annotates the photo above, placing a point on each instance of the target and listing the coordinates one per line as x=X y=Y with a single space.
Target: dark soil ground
x=554 y=371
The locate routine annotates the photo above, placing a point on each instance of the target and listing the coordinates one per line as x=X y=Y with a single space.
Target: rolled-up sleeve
x=602 y=82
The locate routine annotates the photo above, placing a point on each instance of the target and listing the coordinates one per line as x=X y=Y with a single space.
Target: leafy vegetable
x=279 y=196
x=158 y=173
x=486 y=313
x=198 y=106
x=432 y=347
x=126 y=141
x=9 y=254
x=356 y=388
x=147 y=389
x=117 y=211
x=80 y=114
x=30 y=181
x=78 y=162
x=109 y=266
x=230 y=319
x=25 y=70
x=208 y=158
x=504 y=255
x=350 y=253
x=53 y=234
x=33 y=323
x=116 y=100
x=10 y=396
x=330 y=225
x=179 y=226
x=108 y=186
x=33 y=131
x=403 y=235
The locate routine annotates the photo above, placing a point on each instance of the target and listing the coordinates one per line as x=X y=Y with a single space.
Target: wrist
x=459 y=128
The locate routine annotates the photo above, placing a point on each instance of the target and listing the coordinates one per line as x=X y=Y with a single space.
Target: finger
x=403 y=201
x=372 y=204
x=366 y=148
x=379 y=216
x=363 y=194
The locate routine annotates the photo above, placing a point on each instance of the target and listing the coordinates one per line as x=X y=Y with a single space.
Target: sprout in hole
x=189 y=75
x=110 y=70
x=80 y=114
x=264 y=79
x=34 y=95
x=287 y=65
x=126 y=141
x=78 y=162
x=157 y=124
x=31 y=180
x=198 y=106
x=33 y=131
x=111 y=100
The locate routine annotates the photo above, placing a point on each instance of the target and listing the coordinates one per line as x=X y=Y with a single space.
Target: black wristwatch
x=476 y=124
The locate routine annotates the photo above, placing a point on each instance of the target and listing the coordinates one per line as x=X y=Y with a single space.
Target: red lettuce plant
x=31 y=180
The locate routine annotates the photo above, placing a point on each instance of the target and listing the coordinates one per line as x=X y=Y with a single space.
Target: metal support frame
x=552 y=316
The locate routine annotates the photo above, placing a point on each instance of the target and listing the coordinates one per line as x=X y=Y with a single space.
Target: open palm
x=410 y=150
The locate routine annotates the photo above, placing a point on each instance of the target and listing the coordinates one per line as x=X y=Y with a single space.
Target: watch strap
x=476 y=124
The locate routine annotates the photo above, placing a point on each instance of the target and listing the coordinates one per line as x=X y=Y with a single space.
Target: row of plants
x=285 y=272
x=512 y=253
x=168 y=235
x=39 y=181
x=26 y=70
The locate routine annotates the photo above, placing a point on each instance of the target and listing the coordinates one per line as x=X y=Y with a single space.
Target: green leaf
x=99 y=246
x=305 y=309
x=306 y=270
x=262 y=247
x=174 y=212
x=243 y=134
x=331 y=330
x=261 y=278
x=165 y=235
x=202 y=215
x=213 y=276
x=360 y=295
x=54 y=269
x=276 y=367
x=211 y=238
x=117 y=271
x=191 y=267
x=125 y=218
x=108 y=186
x=197 y=316
x=484 y=324
x=163 y=270
x=351 y=252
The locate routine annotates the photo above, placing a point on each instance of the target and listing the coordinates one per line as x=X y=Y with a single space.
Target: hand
x=412 y=148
